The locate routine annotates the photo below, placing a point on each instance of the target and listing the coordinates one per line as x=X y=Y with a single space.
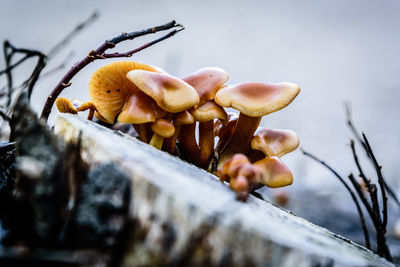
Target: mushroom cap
x=209 y=111
x=163 y=128
x=183 y=117
x=170 y=93
x=231 y=167
x=140 y=108
x=257 y=99
x=275 y=142
x=64 y=105
x=207 y=82
x=86 y=105
x=109 y=88
x=274 y=172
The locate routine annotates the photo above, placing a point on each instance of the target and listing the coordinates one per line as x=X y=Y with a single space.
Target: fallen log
x=179 y=214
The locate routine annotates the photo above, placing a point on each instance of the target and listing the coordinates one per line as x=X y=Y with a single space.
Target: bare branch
x=98 y=54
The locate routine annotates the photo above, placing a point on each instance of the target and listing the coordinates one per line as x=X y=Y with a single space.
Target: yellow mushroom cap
x=209 y=111
x=170 y=93
x=275 y=142
x=257 y=99
x=140 y=108
x=109 y=88
x=207 y=82
x=163 y=128
x=64 y=105
x=274 y=172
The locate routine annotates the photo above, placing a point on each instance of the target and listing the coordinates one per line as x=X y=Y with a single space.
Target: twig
x=59 y=67
x=9 y=51
x=72 y=34
x=378 y=170
x=99 y=54
x=360 y=212
x=350 y=123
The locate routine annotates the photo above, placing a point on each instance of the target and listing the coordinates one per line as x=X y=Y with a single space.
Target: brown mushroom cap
x=257 y=99
x=64 y=105
x=275 y=142
x=183 y=117
x=163 y=128
x=170 y=93
x=109 y=88
x=209 y=111
x=274 y=172
x=207 y=82
x=140 y=108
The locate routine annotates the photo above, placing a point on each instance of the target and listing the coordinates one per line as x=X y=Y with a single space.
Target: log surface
x=182 y=215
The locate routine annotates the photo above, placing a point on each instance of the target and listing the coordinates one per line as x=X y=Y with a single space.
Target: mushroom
x=109 y=89
x=112 y=94
x=253 y=100
x=182 y=119
x=206 y=82
x=87 y=105
x=205 y=115
x=64 y=105
x=274 y=172
x=140 y=110
x=162 y=128
x=275 y=142
x=170 y=93
x=241 y=174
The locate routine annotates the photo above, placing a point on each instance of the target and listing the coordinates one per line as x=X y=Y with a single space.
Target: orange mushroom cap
x=163 y=128
x=207 y=82
x=274 y=172
x=209 y=111
x=140 y=108
x=275 y=142
x=183 y=117
x=170 y=93
x=257 y=99
x=86 y=105
x=64 y=105
x=109 y=88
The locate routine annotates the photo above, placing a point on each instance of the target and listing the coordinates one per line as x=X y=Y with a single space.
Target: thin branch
x=98 y=54
x=356 y=135
x=72 y=34
x=378 y=170
x=4 y=116
x=360 y=212
x=61 y=66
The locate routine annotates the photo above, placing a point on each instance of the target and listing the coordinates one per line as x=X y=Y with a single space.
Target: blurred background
x=336 y=50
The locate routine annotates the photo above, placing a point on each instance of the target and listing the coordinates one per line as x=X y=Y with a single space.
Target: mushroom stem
x=142 y=131
x=241 y=138
x=206 y=142
x=157 y=141
x=170 y=143
x=187 y=140
x=91 y=113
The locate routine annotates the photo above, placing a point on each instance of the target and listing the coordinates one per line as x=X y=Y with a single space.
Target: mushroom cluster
x=167 y=111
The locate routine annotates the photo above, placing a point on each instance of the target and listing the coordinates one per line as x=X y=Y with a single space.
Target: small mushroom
x=182 y=119
x=253 y=100
x=275 y=142
x=139 y=110
x=162 y=128
x=205 y=115
x=64 y=105
x=87 y=105
x=274 y=172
